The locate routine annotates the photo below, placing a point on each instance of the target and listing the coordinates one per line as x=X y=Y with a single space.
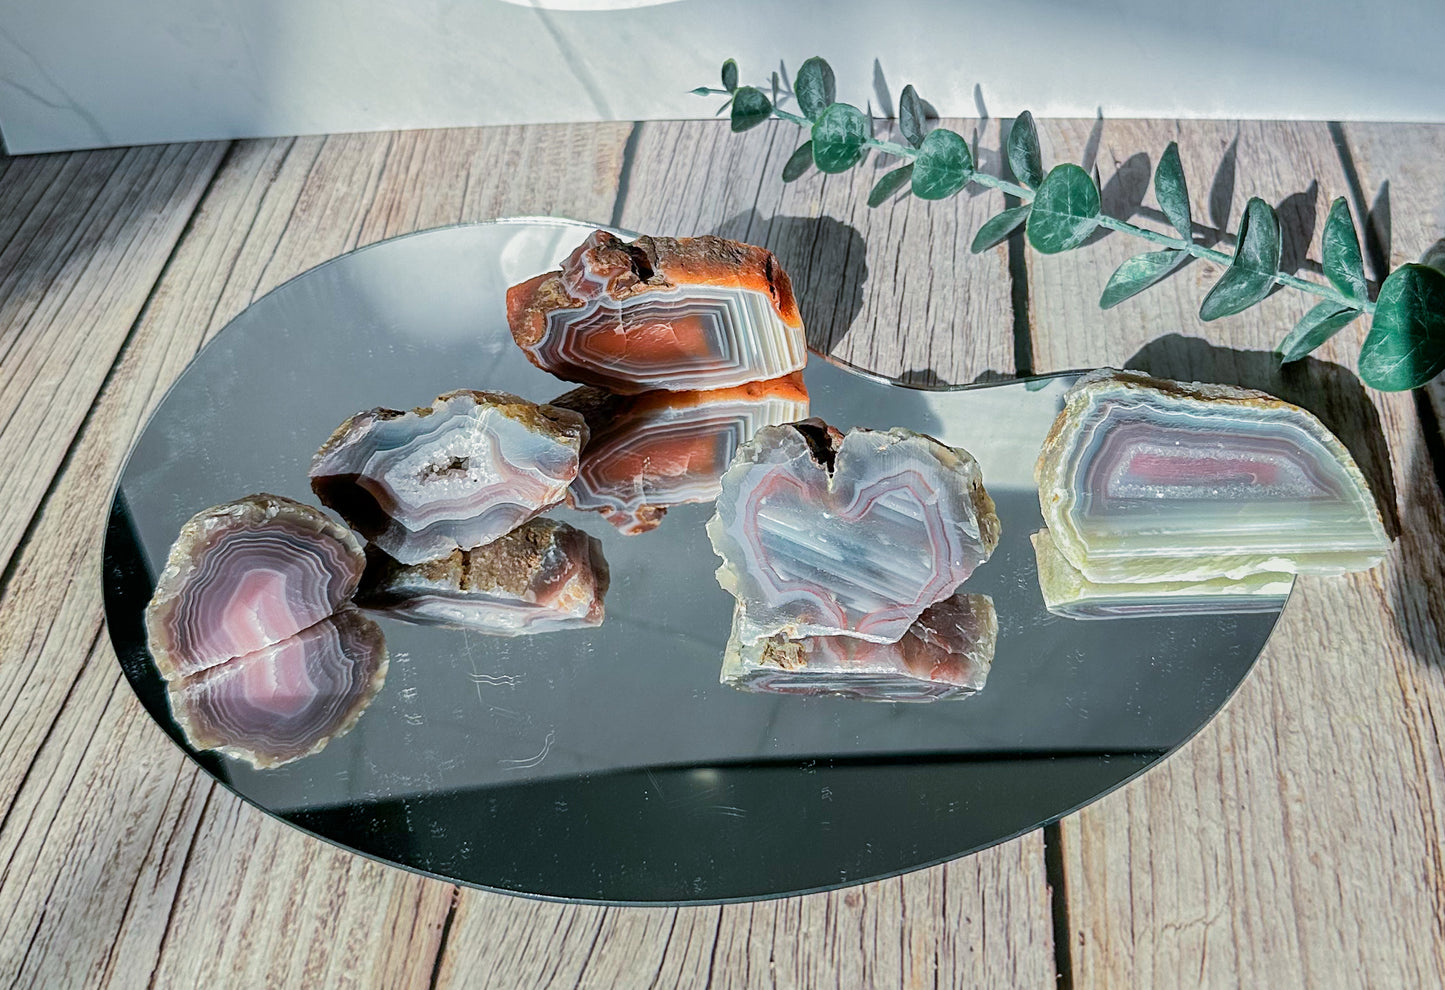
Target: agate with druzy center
x=1068 y=593
x=661 y=449
x=541 y=577
x=287 y=700
x=1148 y=480
x=245 y=575
x=660 y=313
x=823 y=535
x=457 y=475
x=946 y=653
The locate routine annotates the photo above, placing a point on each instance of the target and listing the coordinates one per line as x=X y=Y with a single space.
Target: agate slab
x=470 y=468
x=245 y=575
x=1145 y=480
x=945 y=654
x=544 y=576
x=653 y=451
x=660 y=312
x=823 y=534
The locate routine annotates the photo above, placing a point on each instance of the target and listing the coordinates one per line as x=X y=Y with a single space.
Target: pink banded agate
x=543 y=576
x=457 y=475
x=825 y=535
x=1146 y=480
x=287 y=700
x=244 y=576
x=660 y=449
x=945 y=654
x=660 y=313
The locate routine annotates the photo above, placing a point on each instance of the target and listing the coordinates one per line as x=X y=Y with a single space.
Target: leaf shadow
x=1377 y=233
x=880 y=90
x=1124 y=193
x=1221 y=190
x=1297 y=214
x=1330 y=391
x=1091 y=144
x=827 y=261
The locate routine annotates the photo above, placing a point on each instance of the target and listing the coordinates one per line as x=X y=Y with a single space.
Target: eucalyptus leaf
x=1172 y=192
x=799 y=162
x=996 y=229
x=943 y=165
x=1406 y=344
x=1024 y=156
x=751 y=107
x=911 y=116
x=1138 y=273
x=730 y=75
x=839 y=134
x=1318 y=325
x=814 y=87
x=1065 y=210
x=1250 y=275
x=889 y=184
x=1340 y=253
x=701 y=91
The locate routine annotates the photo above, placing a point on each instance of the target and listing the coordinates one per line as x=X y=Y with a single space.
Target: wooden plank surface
x=1258 y=855
x=1253 y=857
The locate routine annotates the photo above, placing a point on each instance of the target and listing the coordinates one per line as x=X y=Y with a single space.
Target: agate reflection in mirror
x=250 y=624
x=544 y=576
x=649 y=452
x=945 y=654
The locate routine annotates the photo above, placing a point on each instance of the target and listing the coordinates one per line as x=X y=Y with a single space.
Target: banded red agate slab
x=453 y=476
x=245 y=575
x=823 y=534
x=541 y=577
x=659 y=449
x=945 y=654
x=660 y=313
x=288 y=700
x=1148 y=480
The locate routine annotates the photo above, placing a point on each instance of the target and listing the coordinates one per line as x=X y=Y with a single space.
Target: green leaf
x=1318 y=325
x=889 y=184
x=911 y=115
x=799 y=163
x=1065 y=210
x=943 y=166
x=1138 y=273
x=1341 y=260
x=838 y=137
x=996 y=229
x=1024 y=156
x=1250 y=275
x=730 y=75
x=1406 y=344
x=751 y=107
x=814 y=88
x=1172 y=193
x=701 y=91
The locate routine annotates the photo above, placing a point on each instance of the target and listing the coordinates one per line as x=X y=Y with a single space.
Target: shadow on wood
x=1331 y=392
x=827 y=261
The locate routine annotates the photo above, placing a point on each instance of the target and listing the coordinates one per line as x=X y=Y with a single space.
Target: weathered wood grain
x=82 y=240
x=202 y=872
x=1297 y=839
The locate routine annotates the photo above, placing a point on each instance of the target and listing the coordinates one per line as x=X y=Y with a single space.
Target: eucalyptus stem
x=1059 y=209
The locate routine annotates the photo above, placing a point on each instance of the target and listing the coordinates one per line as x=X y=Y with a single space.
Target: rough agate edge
x=288 y=700
x=457 y=475
x=1069 y=594
x=826 y=535
x=245 y=575
x=1147 y=480
x=660 y=313
x=945 y=654
x=544 y=576
x=659 y=449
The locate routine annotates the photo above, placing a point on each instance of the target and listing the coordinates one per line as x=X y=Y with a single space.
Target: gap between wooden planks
x=124 y=865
